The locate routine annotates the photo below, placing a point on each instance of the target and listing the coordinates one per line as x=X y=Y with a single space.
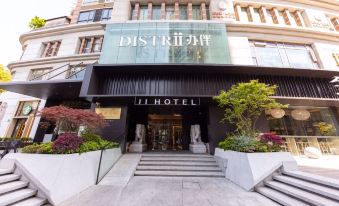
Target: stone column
x=203 y=11
x=176 y=10
x=263 y=15
x=250 y=13
x=288 y=18
x=150 y=11
x=136 y=11
x=163 y=11
x=276 y=17
x=237 y=9
x=335 y=22
x=189 y=11
x=299 y=18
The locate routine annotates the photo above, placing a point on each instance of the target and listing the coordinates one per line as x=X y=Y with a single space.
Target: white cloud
x=14 y=18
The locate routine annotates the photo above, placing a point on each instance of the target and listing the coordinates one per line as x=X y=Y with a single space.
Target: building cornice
x=327 y=4
x=290 y=31
x=52 y=60
x=71 y=28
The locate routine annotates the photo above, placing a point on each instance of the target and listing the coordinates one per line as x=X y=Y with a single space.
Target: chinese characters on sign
x=178 y=40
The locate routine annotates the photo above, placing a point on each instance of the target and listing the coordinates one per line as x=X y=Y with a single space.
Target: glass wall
x=160 y=42
x=303 y=121
x=275 y=54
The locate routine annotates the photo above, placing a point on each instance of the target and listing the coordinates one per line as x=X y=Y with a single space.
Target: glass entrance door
x=164 y=132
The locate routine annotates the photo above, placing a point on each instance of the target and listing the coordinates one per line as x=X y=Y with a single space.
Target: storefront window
x=156 y=12
x=170 y=13
x=275 y=54
x=183 y=12
x=196 y=13
x=143 y=13
x=304 y=121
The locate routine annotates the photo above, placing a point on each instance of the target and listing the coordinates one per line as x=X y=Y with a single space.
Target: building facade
x=159 y=63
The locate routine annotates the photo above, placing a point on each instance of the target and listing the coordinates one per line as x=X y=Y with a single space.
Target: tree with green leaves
x=37 y=23
x=245 y=102
x=5 y=75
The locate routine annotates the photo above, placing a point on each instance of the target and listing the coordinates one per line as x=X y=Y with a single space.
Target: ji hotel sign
x=164 y=101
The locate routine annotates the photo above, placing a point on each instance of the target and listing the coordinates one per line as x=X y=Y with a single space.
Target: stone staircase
x=178 y=165
x=15 y=191
x=295 y=188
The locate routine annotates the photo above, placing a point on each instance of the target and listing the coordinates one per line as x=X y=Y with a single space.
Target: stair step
x=179 y=168
x=177 y=155
x=301 y=194
x=178 y=174
x=16 y=196
x=11 y=186
x=6 y=171
x=279 y=197
x=33 y=201
x=314 y=178
x=193 y=159
x=8 y=178
x=312 y=187
x=175 y=163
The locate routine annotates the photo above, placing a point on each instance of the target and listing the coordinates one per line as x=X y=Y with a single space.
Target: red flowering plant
x=272 y=141
x=67 y=144
x=69 y=120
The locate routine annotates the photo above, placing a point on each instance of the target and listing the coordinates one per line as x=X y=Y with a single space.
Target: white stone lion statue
x=195 y=134
x=140 y=133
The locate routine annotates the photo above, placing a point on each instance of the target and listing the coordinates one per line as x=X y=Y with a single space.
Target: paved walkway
x=332 y=173
x=120 y=188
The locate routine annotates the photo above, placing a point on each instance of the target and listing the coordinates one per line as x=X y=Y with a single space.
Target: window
x=156 y=12
x=76 y=73
x=143 y=13
x=90 y=45
x=86 y=17
x=169 y=13
x=256 y=15
x=106 y=14
x=50 y=49
x=274 y=54
x=89 y=1
x=243 y=14
x=39 y=74
x=183 y=12
x=196 y=13
x=304 y=121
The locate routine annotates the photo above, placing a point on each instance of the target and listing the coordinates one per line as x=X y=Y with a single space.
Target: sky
x=14 y=19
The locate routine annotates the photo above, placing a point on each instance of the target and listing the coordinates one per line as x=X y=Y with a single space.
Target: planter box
x=249 y=169
x=59 y=177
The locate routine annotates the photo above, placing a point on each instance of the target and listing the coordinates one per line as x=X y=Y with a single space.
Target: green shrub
x=244 y=144
x=44 y=148
x=89 y=146
x=91 y=137
x=103 y=144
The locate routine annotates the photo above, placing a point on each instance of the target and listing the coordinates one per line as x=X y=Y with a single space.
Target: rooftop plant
x=36 y=23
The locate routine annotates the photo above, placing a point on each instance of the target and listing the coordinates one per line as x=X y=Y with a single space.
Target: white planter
x=59 y=177
x=249 y=169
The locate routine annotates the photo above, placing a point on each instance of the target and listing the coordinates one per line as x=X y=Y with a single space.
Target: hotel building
x=160 y=62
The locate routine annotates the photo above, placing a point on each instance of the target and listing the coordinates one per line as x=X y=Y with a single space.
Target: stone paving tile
x=332 y=173
x=169 y=191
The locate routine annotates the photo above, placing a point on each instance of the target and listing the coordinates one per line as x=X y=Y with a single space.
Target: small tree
x=5 y=75
x=37 y=23
x=245 y=102
x=69 y=120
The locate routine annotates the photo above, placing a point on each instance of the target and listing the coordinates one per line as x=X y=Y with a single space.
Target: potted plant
x=247 y=155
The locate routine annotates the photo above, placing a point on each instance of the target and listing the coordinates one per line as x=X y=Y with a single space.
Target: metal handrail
x=99 y=167
x=50 y=71
x=65 y=70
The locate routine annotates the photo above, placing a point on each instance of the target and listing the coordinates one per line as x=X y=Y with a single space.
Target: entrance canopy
x=51 y=89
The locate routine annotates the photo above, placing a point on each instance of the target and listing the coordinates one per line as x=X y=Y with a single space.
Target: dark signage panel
x=167 y=101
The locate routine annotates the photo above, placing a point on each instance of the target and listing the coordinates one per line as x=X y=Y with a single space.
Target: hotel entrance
x=164 y=132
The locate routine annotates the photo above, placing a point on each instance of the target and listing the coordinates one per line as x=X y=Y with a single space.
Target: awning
x=47 y=89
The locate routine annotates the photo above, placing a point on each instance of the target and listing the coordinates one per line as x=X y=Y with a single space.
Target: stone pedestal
x=137 y=147
x=198 y=148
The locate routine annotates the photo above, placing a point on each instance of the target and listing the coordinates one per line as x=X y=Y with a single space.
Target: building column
x=299 y=19
x=292 y=146
x=250 y=13
x=176 y=10
x=237 y=9
x=189 y=11
x=136 y=11
x=150 y=11
x=263 y=14
x=163 y=11
x=288 y=18
x=76 y=12
x=335 y=22
x=276 y=17
x=203 y=11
